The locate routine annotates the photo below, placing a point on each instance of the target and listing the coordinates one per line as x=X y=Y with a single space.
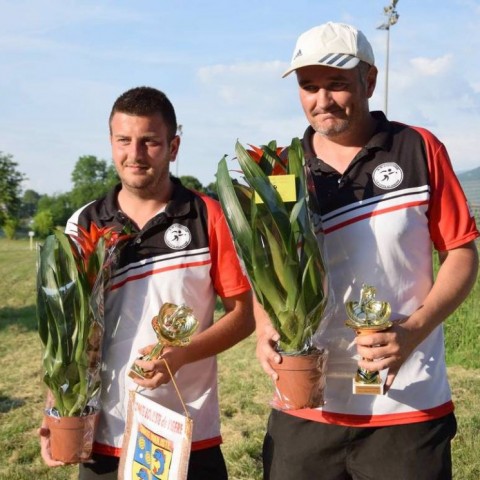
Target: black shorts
x=298 y=449
x=204 y=464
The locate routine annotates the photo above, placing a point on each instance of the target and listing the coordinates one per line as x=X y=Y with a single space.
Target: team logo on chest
x=177 y=236
x=387 y=176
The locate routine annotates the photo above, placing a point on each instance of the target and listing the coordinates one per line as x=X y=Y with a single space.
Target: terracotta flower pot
x=301 y=381
x=71 y=438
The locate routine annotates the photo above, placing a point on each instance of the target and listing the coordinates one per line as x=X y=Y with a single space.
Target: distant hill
x=471 y=185
x=470 y=175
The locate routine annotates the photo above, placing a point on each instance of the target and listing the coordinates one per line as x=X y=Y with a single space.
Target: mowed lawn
x=245 y=392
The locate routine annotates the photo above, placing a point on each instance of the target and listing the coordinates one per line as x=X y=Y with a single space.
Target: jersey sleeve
x=227 y=273
x=451 y=221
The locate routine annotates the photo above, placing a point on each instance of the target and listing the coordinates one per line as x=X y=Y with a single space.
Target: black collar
x=380 y=140
x=179 y=204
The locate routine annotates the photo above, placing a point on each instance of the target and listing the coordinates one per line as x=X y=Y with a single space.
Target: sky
x=64 y=62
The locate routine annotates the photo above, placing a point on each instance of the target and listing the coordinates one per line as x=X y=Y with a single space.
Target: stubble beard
x=338 y=128
x=146 y=186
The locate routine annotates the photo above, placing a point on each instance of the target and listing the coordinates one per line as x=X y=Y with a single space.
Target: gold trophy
x=174 y=326
x=365 y=317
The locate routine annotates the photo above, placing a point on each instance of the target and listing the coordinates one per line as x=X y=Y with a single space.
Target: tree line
x=27 y=210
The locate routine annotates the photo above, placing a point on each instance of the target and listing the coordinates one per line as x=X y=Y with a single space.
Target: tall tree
x=91 y=179
x=112 y=176
x=88 y=170
x=29 y=204
x=10 y=187
x=211 y=190
x=43 y=223
x=58 y=206
x=192 y=182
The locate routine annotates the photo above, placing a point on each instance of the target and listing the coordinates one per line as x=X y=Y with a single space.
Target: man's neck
x=143 y=207
x=339 y=151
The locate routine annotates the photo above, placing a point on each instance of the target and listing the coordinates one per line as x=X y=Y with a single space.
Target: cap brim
x=340 y=61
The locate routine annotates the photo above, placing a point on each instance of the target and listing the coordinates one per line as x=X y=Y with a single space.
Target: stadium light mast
x=392 y=18
x=179 y=133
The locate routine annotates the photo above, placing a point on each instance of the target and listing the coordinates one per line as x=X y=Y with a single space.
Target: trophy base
x=136 y=372
x=360 y=388
x=137 y=375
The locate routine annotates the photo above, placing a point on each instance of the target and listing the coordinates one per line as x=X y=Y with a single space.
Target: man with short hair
x=180 y=252
x=387 y=194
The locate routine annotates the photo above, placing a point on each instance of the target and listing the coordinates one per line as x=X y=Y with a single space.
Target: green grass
x=245 y=391
x=462 y=332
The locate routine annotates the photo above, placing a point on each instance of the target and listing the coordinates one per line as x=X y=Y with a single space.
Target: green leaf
x=277 y=243
x=65 y=320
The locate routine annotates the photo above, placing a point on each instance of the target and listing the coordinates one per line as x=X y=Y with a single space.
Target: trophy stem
x=365 y=376
x=155 y=353
x=174 y=326
x=368 y=316
x=366 y=382
x=136 y=371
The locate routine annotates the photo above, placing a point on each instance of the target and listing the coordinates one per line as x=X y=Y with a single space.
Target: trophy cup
x=365 y=317
x=174 y=326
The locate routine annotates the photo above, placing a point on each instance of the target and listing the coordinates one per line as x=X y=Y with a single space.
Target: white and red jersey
x=184 y=255
x=398 y=199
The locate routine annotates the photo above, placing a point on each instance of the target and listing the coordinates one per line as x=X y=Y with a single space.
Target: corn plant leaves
x=276 y=242
x=68 y=313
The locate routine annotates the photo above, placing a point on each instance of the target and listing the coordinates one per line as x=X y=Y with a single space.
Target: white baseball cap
x=336 y=45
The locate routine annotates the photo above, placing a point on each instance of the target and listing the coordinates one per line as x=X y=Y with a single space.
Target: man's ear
x=174 y=146
x=371 y=80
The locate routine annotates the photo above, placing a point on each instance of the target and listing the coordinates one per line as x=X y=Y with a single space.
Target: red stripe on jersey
x=117 y=452
x=159 y=270
x=209 y=443
x=374 y=213
x=384 y=420
x=106 y=450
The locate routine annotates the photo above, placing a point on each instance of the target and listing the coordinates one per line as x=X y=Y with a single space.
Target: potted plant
x=271 y=213
x=71 y=273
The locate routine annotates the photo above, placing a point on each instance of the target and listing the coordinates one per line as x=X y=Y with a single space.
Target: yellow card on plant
x=285 y=186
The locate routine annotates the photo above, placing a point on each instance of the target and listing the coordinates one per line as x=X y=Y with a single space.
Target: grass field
x=244 y=390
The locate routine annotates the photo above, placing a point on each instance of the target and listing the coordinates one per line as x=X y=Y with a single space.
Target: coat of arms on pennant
x=156 y=443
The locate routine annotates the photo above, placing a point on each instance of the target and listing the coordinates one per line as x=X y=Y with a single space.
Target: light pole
x=392 y=18
x=179 y=133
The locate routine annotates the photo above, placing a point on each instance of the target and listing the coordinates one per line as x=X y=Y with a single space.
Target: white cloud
x=432 y=66
x=209 y=74
x=65 y=61
x=475 y=86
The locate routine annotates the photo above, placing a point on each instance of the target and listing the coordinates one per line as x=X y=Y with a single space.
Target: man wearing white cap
x=388 y=197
